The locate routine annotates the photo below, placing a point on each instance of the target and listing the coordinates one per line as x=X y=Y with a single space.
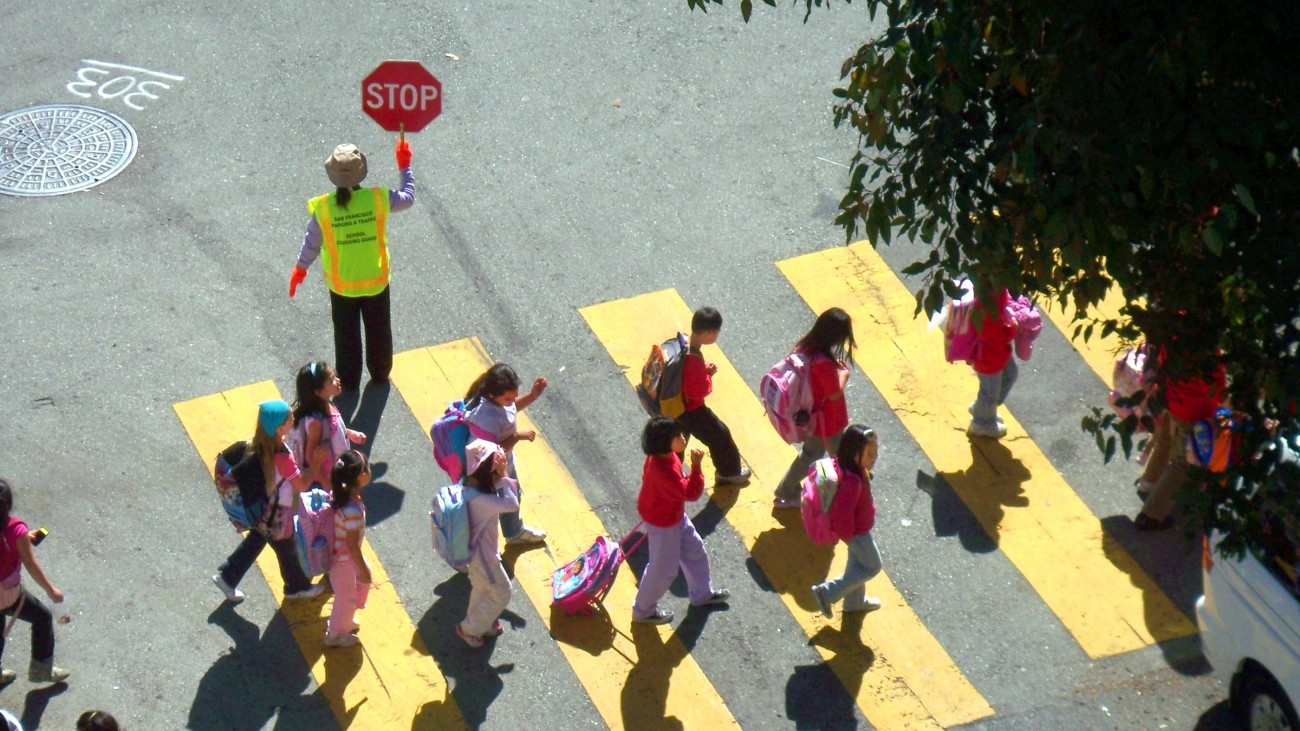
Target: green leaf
x=746 y=7
x=1213 y=241
x=1243 y=194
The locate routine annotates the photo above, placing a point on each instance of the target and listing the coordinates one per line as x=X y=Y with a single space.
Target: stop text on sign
x=400 y=96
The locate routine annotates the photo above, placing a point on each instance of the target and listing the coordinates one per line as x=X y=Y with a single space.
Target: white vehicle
x=1249 y=618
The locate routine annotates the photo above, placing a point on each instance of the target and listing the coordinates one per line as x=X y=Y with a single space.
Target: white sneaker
x=997 y=431
x=347 y=640
x=871 y=604
x=233 y=594
x=310 y=592
x=526 y=536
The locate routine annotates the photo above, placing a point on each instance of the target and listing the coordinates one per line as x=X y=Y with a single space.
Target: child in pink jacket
x=853 y=515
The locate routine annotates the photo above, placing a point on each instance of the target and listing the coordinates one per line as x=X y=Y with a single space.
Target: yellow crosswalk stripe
x=637 y=676
x=1102 y=596
x=389 y=681
x=895 y=670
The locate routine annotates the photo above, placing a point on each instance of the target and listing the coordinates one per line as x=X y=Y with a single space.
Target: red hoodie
x=997 y=331
x=665 y=492
x=853 y=509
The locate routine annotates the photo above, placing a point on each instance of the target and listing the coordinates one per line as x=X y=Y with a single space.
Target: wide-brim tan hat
x=346 y=166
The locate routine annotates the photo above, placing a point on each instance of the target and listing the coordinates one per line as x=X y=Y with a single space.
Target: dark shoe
x=719 y=597
x=660 y=616
x=1146 y=523
x=740 y=478
x=819 y=596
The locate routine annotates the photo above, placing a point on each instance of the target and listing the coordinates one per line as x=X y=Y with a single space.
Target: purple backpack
x=313 y=531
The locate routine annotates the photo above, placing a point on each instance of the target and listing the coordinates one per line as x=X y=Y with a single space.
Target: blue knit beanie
x=271 y=414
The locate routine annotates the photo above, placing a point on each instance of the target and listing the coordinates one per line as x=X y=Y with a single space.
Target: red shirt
x=1194 y=399
x=696 y=381
x=997 y=331
x=853 y=510
x=830 y=417
x=665 y=492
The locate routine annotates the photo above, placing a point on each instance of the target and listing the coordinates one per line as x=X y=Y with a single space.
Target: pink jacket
x=853 y=511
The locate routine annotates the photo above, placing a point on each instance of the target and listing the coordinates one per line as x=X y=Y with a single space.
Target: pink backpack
x=959 y=334
x=818 y=493
x=579 y=586
x=313 y=531
x=786 y=393
x=1029 y=323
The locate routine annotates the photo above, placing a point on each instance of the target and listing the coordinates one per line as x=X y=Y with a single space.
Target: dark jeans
x=35 y=613
x=286 y=552
x=349 y=313
x=705 y=425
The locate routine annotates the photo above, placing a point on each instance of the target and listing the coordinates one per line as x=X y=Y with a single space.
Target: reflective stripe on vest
x=354 y=251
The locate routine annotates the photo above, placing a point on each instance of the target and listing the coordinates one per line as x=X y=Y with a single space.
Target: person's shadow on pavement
x=261 y=677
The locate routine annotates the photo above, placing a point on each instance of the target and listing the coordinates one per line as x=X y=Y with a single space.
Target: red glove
x=403 y=152
x=295 y=279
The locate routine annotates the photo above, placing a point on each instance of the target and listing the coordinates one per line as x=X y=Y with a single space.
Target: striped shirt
x=351 y=517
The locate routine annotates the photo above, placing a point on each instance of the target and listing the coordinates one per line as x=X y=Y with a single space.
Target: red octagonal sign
x=401 y=94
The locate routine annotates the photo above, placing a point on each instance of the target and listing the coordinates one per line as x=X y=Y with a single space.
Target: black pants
x=349 y=313
x=286 y=552
x=705 y=425
x=35 y=613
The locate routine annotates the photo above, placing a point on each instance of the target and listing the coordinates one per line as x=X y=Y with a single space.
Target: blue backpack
x=450 y=516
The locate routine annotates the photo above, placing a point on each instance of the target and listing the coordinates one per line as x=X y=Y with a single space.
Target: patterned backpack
x=313 y=531
x=661 y=378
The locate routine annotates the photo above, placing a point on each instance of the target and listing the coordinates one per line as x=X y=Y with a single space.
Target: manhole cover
x=61 y=148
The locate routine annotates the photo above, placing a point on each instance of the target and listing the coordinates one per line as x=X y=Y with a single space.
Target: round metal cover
x=62 y=148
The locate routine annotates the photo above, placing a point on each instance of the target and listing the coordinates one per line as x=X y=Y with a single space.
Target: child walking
x=852 y=516
x=283 y=481
x=673 y=540
x=828 y=348
x=994 y=366
x=15 y=554
x=326 y=437
x=697 y=384
x=497 y=496
x=349 y=572
x=491 y=408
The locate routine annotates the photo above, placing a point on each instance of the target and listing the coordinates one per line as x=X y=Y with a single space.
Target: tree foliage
x=1062 y=147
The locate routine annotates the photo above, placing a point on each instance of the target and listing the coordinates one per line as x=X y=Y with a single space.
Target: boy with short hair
x=699 y=419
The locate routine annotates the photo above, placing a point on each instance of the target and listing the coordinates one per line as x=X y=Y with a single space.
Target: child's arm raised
x=539 y=386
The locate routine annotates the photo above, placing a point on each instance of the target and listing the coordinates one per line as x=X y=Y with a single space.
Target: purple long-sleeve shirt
x=398 y=200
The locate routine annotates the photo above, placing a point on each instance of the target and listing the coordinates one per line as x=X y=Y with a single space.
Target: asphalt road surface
x=590 y=155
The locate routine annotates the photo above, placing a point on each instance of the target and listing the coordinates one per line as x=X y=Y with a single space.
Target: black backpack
x=241 y=485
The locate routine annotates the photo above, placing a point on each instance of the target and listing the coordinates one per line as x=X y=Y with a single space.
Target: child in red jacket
x=853 y=515
x=994 y=366
x=673 y=540
x=697 y=383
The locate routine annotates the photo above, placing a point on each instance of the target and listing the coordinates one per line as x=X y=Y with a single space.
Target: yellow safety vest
x=354 y=252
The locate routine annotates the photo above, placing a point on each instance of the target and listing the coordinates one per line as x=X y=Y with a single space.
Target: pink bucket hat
x=477 y=452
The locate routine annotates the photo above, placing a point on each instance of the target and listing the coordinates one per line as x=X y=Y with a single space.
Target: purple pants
x=671 y=547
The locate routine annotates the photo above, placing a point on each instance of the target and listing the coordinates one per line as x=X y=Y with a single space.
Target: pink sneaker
x=472 y=640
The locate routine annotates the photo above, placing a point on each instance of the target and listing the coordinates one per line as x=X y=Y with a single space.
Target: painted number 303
x=115 y=81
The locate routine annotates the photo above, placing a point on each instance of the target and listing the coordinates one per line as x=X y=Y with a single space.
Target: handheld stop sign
x=402 y=96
